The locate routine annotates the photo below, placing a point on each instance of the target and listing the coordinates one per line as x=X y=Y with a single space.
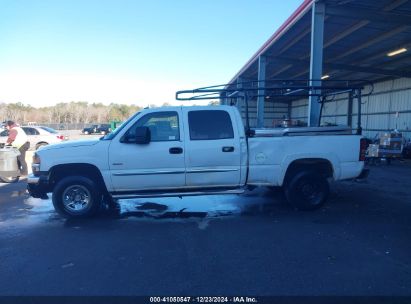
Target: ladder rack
x=283 y=90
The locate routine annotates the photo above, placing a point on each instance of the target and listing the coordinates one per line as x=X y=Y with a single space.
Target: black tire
x=9 y=179
x=307 y=190
x=77 y=197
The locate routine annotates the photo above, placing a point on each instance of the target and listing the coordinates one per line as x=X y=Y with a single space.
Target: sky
x=127 y=51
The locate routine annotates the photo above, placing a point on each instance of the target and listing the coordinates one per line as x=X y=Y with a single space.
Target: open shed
x=337 y=39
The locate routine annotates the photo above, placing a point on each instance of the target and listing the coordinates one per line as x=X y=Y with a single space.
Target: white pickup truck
x=178 y=151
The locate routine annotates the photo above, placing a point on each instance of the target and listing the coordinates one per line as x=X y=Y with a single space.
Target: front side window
x=4 y=133
x=163 y=126
x=210 y=125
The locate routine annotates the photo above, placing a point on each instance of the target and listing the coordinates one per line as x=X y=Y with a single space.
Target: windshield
x=116 y=131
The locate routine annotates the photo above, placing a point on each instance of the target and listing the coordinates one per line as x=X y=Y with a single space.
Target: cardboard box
x=390 y=139
x=382 y=152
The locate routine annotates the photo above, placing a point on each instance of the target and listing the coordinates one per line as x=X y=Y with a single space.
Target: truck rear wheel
x=307 y=190
x=77 y=197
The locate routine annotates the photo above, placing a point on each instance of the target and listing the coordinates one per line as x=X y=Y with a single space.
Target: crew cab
x=177 y=151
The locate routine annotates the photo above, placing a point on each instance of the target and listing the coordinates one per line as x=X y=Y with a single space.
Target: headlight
x=36 y=158
x=35 y=165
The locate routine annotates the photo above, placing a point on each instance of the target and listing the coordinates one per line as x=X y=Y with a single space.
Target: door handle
x=228 y=149
x=176 y=150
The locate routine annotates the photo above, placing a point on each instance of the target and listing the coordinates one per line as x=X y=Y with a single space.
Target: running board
x=176 y=194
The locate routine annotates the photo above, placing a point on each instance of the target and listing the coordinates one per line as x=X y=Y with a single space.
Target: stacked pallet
x=389 y=146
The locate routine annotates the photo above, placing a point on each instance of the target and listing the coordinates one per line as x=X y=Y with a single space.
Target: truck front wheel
x=307 y=190
x=77 y=197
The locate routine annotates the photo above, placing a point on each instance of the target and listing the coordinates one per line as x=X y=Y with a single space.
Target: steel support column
x=261 y=91
x=223 y=98
x=240 y=99
x=316 y=59
x=349 y=110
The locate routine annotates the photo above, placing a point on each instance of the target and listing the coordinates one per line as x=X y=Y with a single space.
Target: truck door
x=153 y=166
x=213 y=153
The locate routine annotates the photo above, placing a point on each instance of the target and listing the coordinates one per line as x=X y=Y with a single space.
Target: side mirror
x=143 y=135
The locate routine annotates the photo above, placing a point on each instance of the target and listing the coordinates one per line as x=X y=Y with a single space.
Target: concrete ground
x=254 y=244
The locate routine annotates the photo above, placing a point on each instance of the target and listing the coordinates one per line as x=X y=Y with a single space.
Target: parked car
x=38 y=136
x=89 y=130
x=103 y=129
x=97 y=129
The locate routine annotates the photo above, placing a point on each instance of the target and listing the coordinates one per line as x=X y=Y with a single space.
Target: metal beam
x=370 y=70
x=261 y=92
x=279 y=71
x=346 y=32
x=295 y=40
x=394 y=5
x=316 y=59
x=356 y=12
x=374 y=40
x=346 y=67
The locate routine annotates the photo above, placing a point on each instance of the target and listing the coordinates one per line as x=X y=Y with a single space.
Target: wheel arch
x=58 y=172
x=322 y=166
x=40 y=144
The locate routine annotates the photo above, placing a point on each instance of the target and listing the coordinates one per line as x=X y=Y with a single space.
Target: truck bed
x=302 y=131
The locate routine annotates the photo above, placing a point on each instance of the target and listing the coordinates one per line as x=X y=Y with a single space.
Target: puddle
x=200 y=209
x=19 y=193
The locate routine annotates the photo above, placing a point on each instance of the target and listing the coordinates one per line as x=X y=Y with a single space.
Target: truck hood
x=71 y=144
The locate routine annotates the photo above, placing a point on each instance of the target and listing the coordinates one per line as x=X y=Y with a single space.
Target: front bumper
x=38 y=186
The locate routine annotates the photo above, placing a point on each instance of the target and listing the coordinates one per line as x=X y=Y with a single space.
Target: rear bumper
x=364 y=174
x=351 y=170
x=38 y=186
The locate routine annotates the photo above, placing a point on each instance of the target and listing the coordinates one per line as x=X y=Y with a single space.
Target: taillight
x=363 y=148
x=60 y=137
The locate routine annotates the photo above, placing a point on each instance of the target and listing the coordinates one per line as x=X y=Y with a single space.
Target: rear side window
x=210 y=125
x=50 y=130
x=30 y=131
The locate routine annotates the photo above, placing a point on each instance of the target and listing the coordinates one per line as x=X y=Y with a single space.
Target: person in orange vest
x=18 y=139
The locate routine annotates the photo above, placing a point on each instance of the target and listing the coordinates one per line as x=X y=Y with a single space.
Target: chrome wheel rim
x=76 y=198
x=310 y=192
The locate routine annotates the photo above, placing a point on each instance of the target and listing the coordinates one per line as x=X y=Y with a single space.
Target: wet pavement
x=253 y=244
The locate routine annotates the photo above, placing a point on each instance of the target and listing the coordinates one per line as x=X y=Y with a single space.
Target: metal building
x=338 y=39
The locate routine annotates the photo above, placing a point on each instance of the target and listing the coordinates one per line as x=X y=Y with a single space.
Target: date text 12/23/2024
x=203 y=300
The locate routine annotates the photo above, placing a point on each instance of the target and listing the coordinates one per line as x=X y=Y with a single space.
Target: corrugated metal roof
x=355 y=44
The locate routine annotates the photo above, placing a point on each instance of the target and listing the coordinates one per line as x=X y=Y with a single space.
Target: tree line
x=65 y=113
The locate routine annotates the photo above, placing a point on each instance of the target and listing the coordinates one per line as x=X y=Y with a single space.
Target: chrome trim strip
x=171 y=194
x=175 y=172
x=211 y=170
x=149 y=173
